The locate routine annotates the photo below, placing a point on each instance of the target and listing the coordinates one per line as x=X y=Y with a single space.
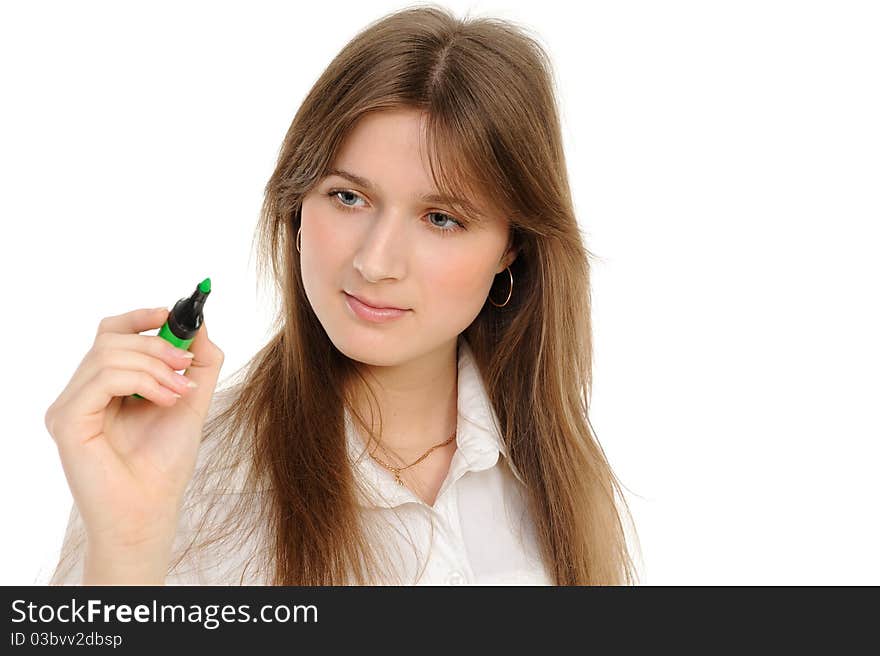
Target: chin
x=378 y=351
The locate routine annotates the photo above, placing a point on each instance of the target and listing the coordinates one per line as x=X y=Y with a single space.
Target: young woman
x=444 y=441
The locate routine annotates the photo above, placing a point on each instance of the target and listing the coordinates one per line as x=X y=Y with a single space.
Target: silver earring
x=510 y=273
x=298 y=240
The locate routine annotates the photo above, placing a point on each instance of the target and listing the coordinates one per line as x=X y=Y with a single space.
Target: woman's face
x=386 y=244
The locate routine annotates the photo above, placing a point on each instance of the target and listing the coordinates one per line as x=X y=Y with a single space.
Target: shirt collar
x=478 y=438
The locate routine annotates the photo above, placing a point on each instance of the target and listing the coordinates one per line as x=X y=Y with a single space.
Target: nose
x=382 y=249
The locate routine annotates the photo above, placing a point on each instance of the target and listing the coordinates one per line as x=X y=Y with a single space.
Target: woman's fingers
x=97 y=393
x=204 y=370
x=136 y=321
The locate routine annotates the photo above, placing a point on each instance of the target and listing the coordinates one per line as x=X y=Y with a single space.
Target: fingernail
x=181 y=353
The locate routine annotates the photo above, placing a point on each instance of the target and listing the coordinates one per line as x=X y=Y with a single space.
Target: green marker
x=185 y=319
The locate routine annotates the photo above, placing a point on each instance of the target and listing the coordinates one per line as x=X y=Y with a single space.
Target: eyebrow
x=430 y=198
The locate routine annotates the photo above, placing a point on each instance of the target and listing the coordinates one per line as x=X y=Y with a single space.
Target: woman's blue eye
x=445 y=217
x=335 y=194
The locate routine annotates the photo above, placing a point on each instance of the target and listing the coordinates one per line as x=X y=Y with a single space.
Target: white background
x=724 y=160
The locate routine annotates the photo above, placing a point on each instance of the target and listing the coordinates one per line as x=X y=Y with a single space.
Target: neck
x=418 y=401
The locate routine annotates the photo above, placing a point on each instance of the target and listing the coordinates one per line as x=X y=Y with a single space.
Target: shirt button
x=455 y=578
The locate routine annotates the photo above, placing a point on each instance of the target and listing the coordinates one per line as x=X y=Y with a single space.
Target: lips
x=375 y=304
x=372 y=314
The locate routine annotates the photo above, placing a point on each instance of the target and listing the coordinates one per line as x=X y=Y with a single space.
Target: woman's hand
x=127 y=460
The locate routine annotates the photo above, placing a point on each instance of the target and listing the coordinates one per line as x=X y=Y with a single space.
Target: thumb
x=204 y=369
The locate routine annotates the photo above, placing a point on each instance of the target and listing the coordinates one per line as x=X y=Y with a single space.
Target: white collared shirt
x=482 y=533
x=478 y=532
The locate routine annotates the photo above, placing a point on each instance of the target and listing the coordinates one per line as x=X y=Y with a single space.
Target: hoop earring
x=510 y=273
x=298 y=240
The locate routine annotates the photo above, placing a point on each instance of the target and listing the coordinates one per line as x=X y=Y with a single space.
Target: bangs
x=457 y=172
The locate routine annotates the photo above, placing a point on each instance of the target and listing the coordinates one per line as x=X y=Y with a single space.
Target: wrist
x=144 y=564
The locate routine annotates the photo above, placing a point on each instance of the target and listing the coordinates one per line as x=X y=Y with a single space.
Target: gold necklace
x=396 y=470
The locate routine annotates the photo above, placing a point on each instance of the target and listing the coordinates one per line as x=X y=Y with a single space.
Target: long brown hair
x=274 y=473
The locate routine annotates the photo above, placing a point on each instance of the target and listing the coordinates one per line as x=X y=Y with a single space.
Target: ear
x=509 y=255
